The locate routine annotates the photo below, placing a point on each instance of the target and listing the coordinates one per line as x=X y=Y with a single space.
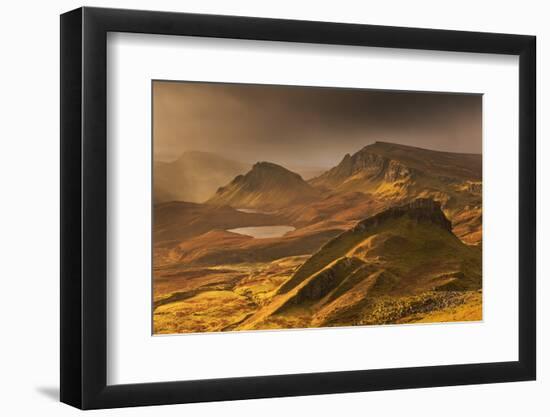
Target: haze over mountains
x=377 y=176
x=390 y=234
x=193 y=177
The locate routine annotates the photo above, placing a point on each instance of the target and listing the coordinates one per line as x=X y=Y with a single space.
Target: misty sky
x=304 y=126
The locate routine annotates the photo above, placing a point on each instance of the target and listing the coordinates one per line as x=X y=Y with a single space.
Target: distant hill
x=193 y=177
x=404 y=252
x=266 y=186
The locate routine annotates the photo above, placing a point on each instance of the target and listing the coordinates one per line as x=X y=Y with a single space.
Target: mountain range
x=391 y=234
x=377 y=176
x=195 y=176
x=392 y=174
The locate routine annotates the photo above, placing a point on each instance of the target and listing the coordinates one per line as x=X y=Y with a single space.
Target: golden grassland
x=245 y=297
x=218 y=310
x=399 y=271
x=223 y=304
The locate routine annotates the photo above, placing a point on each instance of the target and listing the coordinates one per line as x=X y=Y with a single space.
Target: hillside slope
x=406 y=256
x=266 y=186
x=395 y=174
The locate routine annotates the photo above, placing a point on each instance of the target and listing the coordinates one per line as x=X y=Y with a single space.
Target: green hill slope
x=404 y=255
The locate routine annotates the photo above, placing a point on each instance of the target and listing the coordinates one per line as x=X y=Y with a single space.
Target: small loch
x=263 y=232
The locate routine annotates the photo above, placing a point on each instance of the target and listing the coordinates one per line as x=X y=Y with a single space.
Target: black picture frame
x=84 y=207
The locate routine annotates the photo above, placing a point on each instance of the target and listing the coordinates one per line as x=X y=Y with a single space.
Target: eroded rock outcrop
x=421 y=209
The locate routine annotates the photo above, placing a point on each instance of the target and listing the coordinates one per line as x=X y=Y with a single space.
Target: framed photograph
x=258 y=208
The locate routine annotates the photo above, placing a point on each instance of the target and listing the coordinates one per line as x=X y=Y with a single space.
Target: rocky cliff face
x=392 y=162
x=396 y=171
x=364 y=165
x=393 y=174
x=420 y=210
x=474 y=187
